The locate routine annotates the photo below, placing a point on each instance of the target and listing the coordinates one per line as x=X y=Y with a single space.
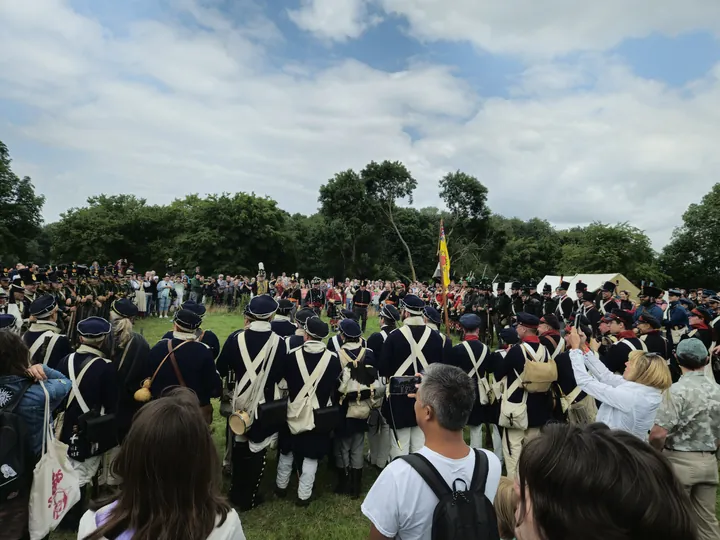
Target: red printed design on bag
x=59 y=499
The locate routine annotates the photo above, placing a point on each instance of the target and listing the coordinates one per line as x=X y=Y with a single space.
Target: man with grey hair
x=400 y=504
x=687 y=429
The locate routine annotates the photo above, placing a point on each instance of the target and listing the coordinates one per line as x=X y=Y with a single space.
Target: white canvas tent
x=593 y=282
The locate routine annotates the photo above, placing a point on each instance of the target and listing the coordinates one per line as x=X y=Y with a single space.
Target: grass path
x=329 y=517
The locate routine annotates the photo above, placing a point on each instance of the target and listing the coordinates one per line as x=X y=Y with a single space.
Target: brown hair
x=648 y=369
x=598 y=484
x=14 y=354
x=505 y=504
x=171 y=475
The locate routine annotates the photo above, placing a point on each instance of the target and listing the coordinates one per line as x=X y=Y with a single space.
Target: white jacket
x=626 y=405
x=230 y=530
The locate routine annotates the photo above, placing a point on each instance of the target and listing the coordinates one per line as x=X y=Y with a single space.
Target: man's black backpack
x=15 y=462
x=462 y=514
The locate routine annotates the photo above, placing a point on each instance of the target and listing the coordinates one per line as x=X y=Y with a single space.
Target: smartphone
x=404 y=385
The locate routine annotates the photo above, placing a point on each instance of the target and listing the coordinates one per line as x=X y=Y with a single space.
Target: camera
x=404 y=385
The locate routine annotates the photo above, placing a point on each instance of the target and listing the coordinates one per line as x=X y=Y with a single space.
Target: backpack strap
x=480 y=474
x=51 y=345
x=75 y=392
x=173 y=362
x=39 y=342
x=428 y=473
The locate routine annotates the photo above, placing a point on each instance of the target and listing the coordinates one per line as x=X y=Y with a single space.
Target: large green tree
x=600 y=248
x=20 y=210
x=692 y=257
x=386 y=183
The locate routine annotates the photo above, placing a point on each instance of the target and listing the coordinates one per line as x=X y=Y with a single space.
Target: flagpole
x=444 y=287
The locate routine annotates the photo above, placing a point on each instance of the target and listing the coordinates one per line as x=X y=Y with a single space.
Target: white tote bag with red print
x=55 y=487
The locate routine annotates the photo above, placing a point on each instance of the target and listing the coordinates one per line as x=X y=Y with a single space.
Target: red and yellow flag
x=444 y=258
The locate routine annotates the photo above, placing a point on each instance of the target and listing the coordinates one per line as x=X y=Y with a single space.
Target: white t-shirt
x=230 y=530
x=400 y=504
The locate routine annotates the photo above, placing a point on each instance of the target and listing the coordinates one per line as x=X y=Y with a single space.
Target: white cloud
x=164 y=111
x=336 y=20
x=552 y=27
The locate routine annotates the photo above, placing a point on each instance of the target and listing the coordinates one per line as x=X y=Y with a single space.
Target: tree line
x=363 y=228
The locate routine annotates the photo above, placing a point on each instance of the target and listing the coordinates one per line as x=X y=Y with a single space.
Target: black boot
x=342 y=480
x=355 y=483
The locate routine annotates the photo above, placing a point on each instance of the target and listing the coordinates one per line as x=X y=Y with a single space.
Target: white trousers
x=408 y=440
x=379 y=444
x=476 y=439
x=307 y=476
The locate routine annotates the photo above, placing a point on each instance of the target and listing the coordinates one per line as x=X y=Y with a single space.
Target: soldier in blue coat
x=182 y=360
x=621 y=327
x=358 y=386
x=378 y=428
x=298 y=338
x=335 y=341
x=46 y=343
x=94 y=389
x=475 y=359
x=208 y=337
x=312 y=374
x=401 y=358
x=129 y=356
x=675 y=318
x=282 y=324
x=253 y=356
x=540 y=405
x=647 y=296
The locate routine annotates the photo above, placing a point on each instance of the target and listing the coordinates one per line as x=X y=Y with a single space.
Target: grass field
x=329 y=517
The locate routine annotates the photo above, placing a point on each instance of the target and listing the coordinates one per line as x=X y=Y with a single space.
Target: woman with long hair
x=19 y=387
x=129 y=356
x=167 y=493
x=625 y=302
x=629 y=401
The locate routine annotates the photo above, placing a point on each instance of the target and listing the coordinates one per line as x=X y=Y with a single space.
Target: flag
x=444 y=258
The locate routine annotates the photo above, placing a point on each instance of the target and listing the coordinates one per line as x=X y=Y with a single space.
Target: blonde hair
x=648 y=369
x=122 y=330
x=506 y=502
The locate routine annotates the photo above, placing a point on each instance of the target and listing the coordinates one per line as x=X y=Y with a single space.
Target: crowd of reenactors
x=289 y=385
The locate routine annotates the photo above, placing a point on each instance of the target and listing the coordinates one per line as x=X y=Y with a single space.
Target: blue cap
x=470 y=321
x=261 y=307
x=674 y=292
x=303 y=315
x=188 y=319
x=390 y=312
x=285 y=306
x=413 y=304
x=7 y=320
x=348 y=314
x=528 y=320
x=193 y=306
x=689 y=304
x=125 y=308
x=93 y=327
x=316 y=328
x=43 y=306
x=432 y=314
x=350 y=328
x=509 y=335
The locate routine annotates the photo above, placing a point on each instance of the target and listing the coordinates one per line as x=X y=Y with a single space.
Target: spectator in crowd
x=400 y=504
x=154 y=500
x=598 y=484
x=18 y=381
x=196 y=288
x=506 y=501
x=687 y=426
x=179 y=285
x=163 y=292
x=625 y=302
x=629 y=401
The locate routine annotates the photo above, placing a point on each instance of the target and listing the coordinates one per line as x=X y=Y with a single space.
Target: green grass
x=329 y=517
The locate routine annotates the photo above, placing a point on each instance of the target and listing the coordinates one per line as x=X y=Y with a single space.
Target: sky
x=568 y=111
